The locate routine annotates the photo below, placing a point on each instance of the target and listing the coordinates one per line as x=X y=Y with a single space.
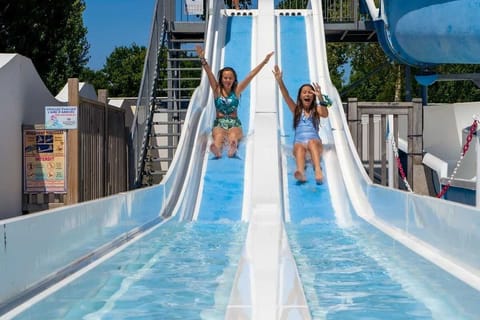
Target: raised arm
x=322 y=105
x=245 y=82
x=278 y=76
x=211 y=77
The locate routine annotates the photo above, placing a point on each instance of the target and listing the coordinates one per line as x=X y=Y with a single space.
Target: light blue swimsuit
x=305 y=130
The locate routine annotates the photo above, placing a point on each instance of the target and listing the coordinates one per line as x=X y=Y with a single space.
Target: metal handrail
x=145 y=100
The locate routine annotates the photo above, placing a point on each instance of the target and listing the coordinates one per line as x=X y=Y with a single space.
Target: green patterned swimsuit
x=227 y=106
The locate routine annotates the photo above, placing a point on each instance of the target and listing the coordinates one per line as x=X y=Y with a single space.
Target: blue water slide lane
x=307 y=201
x=223 y=184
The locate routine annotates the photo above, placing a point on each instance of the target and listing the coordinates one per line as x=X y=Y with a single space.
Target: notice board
x=44 y=158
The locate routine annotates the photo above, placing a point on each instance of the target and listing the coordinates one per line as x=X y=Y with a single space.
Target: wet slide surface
x=308 y=200
x=222 y=195
x=178 y=271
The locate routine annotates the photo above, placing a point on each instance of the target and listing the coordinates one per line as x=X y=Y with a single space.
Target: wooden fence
x=96 y=156
x=368 y=123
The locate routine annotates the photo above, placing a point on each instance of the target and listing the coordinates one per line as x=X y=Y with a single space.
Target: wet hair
x=312 y=107
x=220 y=73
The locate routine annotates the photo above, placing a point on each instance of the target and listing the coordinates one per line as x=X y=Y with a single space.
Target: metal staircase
x=177 y=78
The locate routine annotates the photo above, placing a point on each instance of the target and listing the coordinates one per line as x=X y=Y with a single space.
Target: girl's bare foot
x=300 y=176
x=233 y=149
x=318 y=176
x=216 y=152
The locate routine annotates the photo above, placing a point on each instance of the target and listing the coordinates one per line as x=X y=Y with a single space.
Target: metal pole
x=408 y=84
x=424 y=90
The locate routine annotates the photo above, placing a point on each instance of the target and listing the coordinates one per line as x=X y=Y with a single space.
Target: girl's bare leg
x=236 y=4
x=316 y=148
x=218 y=135
x=299 y=152
x=234 y=137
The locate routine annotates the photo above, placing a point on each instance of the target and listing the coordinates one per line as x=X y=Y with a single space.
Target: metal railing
x=340 y=11
x=145 y=100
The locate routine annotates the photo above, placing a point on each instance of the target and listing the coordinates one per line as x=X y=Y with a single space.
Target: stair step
x=158 y=110
x=156 y=159
x=163 y=123
x=178 y=89
x=162 y=147
x=170 y=134
x=182 y=79
x=173 y=100
x=188 y=40
x=183 y=69
x=156 y=172
x=184 y=59
x=182 y=50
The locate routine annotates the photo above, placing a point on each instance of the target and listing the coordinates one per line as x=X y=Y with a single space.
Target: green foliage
x=337 y=57
x=49 y=32
x=455 y=91
x=122 y=72
x=97 y=79
x=374 y=78
x=71 y=56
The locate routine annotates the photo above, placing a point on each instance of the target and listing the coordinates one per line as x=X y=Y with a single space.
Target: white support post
x=390 y=157
x=477 y=187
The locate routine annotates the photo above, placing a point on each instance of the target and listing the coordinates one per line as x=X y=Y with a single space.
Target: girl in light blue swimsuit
x=306 y=129
x=226 y=92
x=306 y=122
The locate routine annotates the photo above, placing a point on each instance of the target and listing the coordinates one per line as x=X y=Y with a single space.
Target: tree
x=72 y=50
x=337 y=57
x=50 y=33
x=123 y=70
x=373 y=77
x=97 y=79
x=454 y=91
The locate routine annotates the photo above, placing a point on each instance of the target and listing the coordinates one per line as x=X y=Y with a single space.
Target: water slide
x=406 y=36
x=202 y=196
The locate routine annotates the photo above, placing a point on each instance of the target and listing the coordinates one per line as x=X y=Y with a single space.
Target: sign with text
x=63 y=117
x=44 y=160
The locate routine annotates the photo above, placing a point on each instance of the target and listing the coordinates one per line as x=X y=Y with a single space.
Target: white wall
x=443 y=137
x=23 y=96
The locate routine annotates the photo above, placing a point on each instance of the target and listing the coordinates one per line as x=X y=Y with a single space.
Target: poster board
x=62 y=117
x=44 y=158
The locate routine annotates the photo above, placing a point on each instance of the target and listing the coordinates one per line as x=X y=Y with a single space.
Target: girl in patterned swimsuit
x=226 y=91
x=306 y=122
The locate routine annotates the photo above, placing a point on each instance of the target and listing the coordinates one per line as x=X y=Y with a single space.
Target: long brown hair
x=220 y=74
x=312 y=108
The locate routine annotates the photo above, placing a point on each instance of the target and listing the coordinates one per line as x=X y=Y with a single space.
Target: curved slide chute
x=407 y=33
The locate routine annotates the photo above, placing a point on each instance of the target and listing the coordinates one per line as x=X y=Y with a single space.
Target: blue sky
x=115 y=23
